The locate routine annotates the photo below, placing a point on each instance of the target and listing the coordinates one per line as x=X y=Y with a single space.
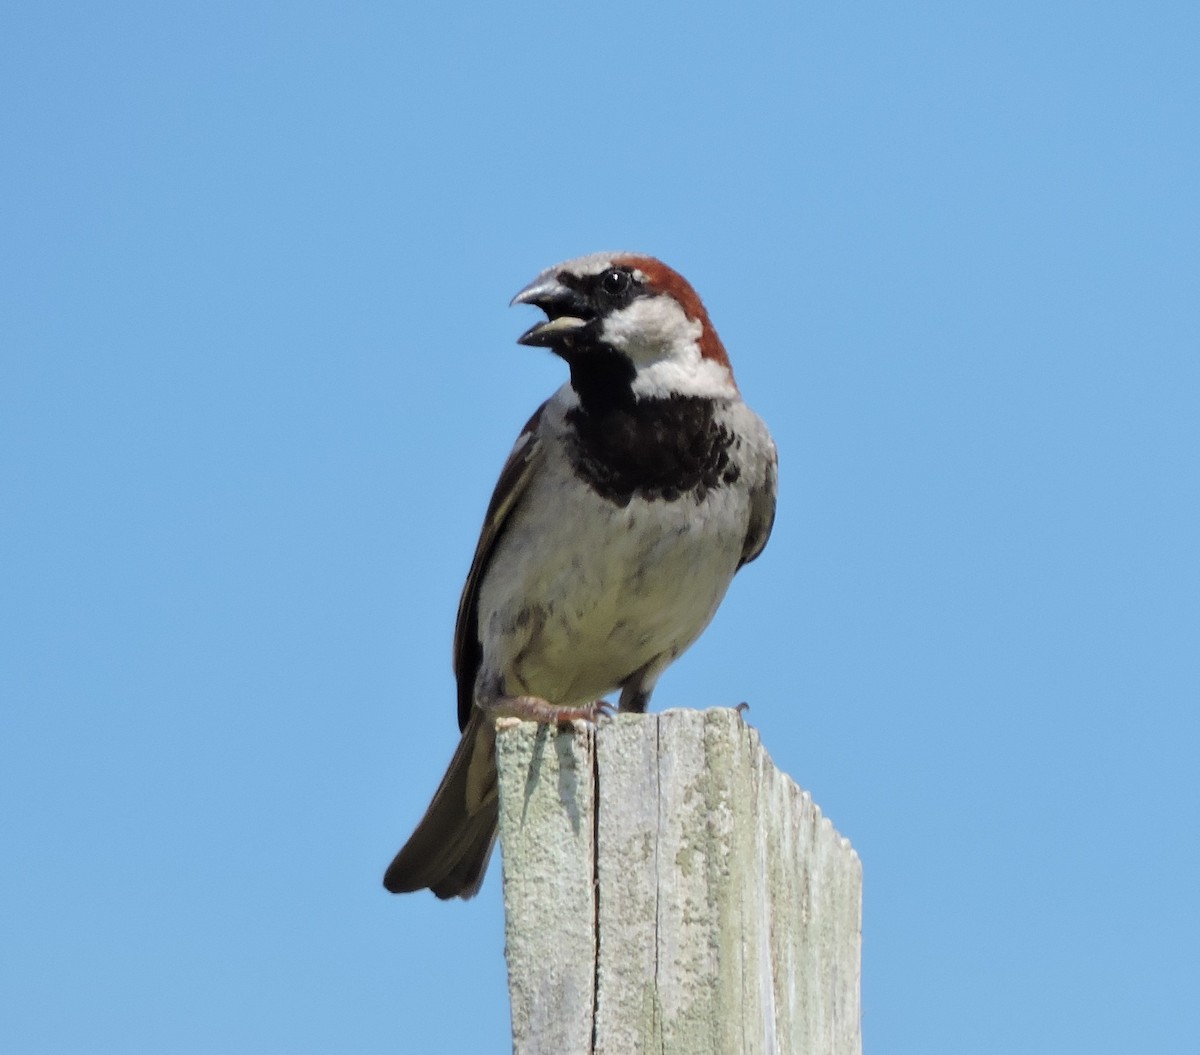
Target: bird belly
x=582 y=593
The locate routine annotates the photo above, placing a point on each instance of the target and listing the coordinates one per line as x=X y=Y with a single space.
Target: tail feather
x=450 y=849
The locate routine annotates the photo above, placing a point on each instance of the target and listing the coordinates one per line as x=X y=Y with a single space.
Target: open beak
x=567 y=312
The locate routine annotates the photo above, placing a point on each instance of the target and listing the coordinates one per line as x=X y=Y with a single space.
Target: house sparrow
x=631 y=498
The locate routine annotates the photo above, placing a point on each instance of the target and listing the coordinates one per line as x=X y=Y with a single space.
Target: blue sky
x=257 y=377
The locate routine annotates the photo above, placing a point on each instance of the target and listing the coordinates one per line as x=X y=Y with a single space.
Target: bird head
x=633 y=313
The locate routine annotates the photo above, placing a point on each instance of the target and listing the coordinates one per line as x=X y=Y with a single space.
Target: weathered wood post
x=668 y=890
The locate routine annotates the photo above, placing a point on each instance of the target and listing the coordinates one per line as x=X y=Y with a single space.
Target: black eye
x=615 y=282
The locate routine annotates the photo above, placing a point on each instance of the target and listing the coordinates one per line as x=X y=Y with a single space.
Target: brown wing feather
x=514 y=478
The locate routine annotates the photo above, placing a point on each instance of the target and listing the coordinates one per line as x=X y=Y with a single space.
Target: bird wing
x=762 y=511
x=514 y=479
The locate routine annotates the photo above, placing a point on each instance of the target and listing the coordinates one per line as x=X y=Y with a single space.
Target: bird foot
x=534 y=709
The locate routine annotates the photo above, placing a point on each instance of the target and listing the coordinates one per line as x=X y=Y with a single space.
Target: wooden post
x=668 y=890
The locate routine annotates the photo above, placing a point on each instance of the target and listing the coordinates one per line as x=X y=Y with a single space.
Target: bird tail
x=449 y=851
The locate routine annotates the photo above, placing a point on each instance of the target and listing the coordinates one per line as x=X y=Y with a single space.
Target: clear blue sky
x=257 y=377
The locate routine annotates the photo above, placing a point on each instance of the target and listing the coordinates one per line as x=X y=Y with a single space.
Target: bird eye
x=615 y=282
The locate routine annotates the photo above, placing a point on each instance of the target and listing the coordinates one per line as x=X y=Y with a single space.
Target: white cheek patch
x=650 y=329
x=684 y=377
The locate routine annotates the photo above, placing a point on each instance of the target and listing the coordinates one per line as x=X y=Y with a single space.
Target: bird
x=630 y=499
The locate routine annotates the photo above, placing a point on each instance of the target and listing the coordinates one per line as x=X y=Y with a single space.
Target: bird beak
x=567 y=312
x=551 y=333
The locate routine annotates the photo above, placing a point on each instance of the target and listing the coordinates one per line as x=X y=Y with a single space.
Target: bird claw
x=600 y=709
x=589 y=712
